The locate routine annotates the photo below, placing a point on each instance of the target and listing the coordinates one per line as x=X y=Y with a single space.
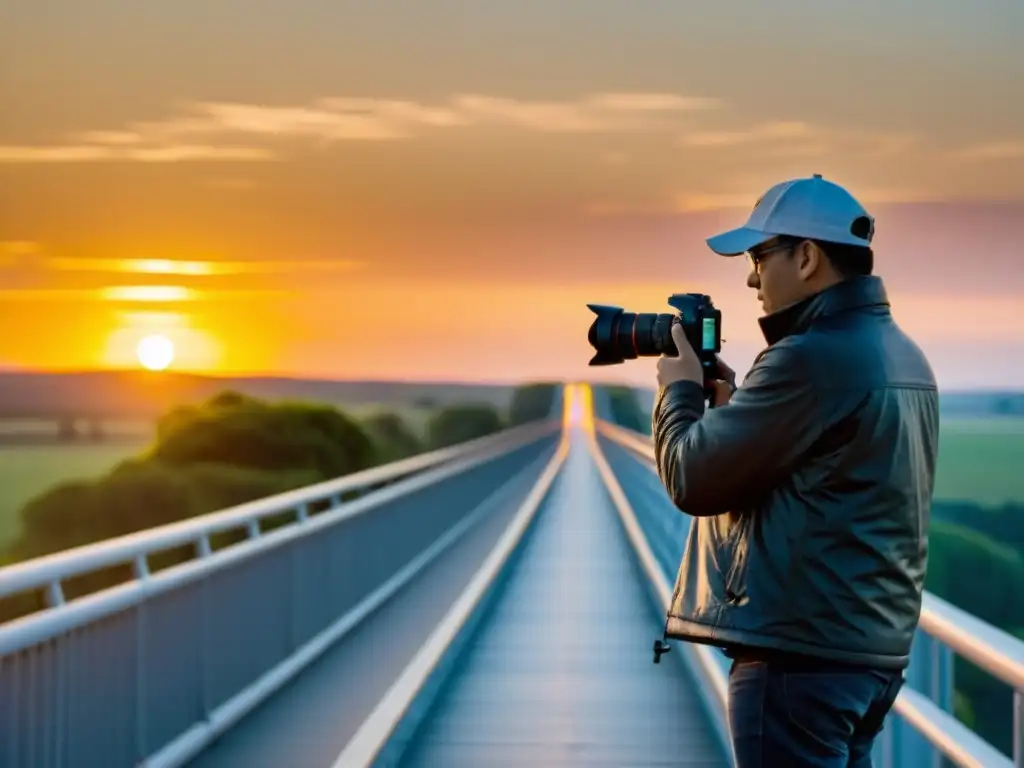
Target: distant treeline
x=232 y=449
x=142 y=394
x=976 y=562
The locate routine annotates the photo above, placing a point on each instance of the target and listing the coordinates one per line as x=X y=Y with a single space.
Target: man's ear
x=808 y=259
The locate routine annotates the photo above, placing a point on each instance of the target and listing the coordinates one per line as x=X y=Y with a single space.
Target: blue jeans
x=818 y=715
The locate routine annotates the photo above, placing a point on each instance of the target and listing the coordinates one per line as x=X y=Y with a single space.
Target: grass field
x=980 y=460
x=26 y=471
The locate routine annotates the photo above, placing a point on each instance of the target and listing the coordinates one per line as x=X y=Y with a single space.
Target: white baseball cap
x=812 y=208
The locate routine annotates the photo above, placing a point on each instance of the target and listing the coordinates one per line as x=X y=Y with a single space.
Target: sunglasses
x=757 y=258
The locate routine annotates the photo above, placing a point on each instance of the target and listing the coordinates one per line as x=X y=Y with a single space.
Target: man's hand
x=725 y=385
x=686 y=367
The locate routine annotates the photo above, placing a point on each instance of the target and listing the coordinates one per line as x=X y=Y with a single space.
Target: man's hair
x=847 y=260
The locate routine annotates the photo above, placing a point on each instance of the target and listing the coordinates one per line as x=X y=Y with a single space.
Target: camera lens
x=617 y=335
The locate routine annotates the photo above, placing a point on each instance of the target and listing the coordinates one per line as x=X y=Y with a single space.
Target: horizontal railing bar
x=991 y=648
x=999 y=652
x=39 y=627
x=951 y=737
x=42 y=571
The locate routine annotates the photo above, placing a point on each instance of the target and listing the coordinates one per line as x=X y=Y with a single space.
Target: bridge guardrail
x=990 y=648
x=150 y=671
x=49 y=571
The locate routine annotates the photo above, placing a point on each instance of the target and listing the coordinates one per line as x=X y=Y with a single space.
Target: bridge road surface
x=308 y=722
x=558 y=674
x=561 y=673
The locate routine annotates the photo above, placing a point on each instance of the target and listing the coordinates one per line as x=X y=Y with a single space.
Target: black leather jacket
x=811 y=489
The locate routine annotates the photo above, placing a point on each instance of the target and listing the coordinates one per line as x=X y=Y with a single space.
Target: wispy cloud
x=138 y=294
x=85 y=153
x=994 y=150
x=197 y=268
x=199 y=132
x=601 y=113
x=796 y=138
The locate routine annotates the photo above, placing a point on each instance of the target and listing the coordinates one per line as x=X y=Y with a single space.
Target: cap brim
x=737 y=241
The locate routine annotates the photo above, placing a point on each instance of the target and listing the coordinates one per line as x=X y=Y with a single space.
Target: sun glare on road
x=155 y=352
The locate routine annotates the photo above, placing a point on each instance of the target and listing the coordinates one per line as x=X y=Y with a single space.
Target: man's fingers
x=679 y=337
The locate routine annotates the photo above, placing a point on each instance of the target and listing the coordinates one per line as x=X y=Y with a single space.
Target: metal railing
x=50 y=571
x=988 y=647
x=149 y=671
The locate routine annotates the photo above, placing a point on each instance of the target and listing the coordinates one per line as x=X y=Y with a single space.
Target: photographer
x=810 y=487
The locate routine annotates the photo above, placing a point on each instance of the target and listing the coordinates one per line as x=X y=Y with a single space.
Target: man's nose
x=753 y=279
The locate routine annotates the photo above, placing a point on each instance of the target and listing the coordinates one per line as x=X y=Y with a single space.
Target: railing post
x=1018 y=728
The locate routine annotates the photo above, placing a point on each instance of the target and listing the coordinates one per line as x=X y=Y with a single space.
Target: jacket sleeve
x=716 y=462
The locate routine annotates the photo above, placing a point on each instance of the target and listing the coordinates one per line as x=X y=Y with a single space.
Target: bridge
x=492 y=603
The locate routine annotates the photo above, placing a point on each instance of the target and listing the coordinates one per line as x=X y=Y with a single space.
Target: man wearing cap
x=810 y=487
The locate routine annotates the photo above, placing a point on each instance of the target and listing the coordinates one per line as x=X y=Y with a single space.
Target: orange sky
x=438 y=195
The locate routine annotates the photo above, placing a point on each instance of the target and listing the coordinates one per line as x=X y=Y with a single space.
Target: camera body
x=617 y=335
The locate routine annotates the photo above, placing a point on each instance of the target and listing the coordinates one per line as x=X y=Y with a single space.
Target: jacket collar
x=855 y=293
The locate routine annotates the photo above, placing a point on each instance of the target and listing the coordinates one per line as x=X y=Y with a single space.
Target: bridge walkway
x=555 y=669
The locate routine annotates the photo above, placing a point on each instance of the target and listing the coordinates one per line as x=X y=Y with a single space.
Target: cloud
x=138 y=294
x=796 y=138
x=601 y=113
x=994 y=150
x=764 y=132
x=173 y=153
x=198 y=133
x=199 y=268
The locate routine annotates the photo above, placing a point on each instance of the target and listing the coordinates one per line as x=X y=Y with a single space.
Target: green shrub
x=626 y=410
x=532 y=402
x=460 y=423
x=393 y=436
x=139 y=494
x=249 y=433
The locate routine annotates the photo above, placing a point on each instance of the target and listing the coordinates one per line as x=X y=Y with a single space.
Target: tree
x=394 y=439
x=273 y=437
x=532 y=402
x=626 y=410
x=460 y=423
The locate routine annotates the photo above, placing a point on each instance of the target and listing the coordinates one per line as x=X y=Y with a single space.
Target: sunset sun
x=155 y=352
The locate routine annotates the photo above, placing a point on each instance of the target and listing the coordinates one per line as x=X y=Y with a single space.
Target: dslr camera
x=617 y=335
